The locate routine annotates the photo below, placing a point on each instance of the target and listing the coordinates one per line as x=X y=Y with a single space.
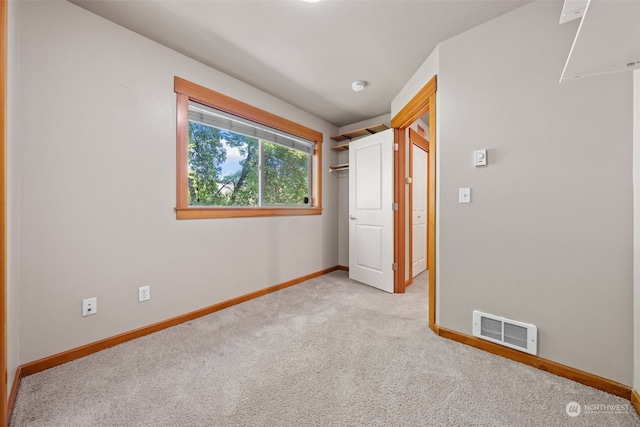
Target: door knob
x=353 y=218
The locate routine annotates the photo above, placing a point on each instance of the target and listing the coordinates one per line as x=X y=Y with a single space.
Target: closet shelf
x=340 y=167
x=357 y=133
x=349 y=136
x=341 y=147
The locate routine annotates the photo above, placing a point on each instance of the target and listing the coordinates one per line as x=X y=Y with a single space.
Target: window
x=236 y=160
x=233 y=162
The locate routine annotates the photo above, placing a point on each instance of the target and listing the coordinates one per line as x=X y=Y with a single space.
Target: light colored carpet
x=327 y=352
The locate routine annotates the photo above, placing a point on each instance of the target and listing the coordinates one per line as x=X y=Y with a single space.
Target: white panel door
x=371 y=210
x=419 y=214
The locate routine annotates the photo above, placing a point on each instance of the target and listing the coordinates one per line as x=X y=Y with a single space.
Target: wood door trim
x=431 y=212
x=635 y=400
x=399 y=223
x=3 y=213
x=418 y=105
x=418 y=140
x=414 y=139
x=423 y=102
x=13 y=395
x=410 y=194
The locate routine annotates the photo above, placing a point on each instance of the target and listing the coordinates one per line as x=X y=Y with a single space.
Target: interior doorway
x=418 y=196
x=424 y=102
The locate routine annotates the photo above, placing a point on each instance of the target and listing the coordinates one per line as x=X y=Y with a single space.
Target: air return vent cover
x=518 y=335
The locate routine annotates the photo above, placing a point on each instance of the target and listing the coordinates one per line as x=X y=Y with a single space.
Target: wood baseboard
x=78 y=352
x=635 y=400
x=14 y=393
x=435 y=328
x=537 y=362
x=577 y=375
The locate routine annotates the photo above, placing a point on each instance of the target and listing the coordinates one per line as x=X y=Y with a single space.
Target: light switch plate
x=480 y=157
x=464 y=195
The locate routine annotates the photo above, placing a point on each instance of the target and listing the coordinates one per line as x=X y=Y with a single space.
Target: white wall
x=94 y=137
x=547 y=238
x=636 y=230
x=13 y=193
x=421 y=77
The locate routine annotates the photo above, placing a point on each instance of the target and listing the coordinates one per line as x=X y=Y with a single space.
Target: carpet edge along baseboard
x=84 y=350
x=577 y=375
x=635 y=400
x=13 y=395
x=555 y=368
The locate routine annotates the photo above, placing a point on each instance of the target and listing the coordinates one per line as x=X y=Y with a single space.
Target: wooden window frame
x=187 y=91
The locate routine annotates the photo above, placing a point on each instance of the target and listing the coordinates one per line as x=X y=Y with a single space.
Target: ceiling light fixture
x=311 y=1
x=358 y=85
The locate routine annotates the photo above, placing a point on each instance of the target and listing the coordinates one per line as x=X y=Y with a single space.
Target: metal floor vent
x=517 y=335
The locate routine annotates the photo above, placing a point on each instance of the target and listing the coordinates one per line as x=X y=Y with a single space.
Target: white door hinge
x=394 y=266
x=394 y=206
x=395 y=147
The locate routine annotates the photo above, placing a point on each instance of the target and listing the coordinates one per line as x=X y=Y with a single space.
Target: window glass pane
x=286 y=175
x=223 y=167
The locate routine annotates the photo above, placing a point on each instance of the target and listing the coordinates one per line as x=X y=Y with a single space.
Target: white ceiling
x=308 y=54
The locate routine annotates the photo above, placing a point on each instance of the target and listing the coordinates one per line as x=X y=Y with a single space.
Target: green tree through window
x=236 y=160
x=286 y=175
x=224 y=170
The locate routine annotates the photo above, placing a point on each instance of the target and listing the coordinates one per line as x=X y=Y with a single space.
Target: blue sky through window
x=232 y=164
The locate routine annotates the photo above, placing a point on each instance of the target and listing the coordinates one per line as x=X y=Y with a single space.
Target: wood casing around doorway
x=424 y=101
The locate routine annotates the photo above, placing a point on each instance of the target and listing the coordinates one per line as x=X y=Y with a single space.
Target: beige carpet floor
x=327 y=352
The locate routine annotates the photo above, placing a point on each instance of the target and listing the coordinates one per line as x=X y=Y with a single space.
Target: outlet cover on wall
x=89 y=306
x=144 y=293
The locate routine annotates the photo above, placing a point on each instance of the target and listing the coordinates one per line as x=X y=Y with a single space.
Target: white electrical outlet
x=89 y=306
x=144 y=293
